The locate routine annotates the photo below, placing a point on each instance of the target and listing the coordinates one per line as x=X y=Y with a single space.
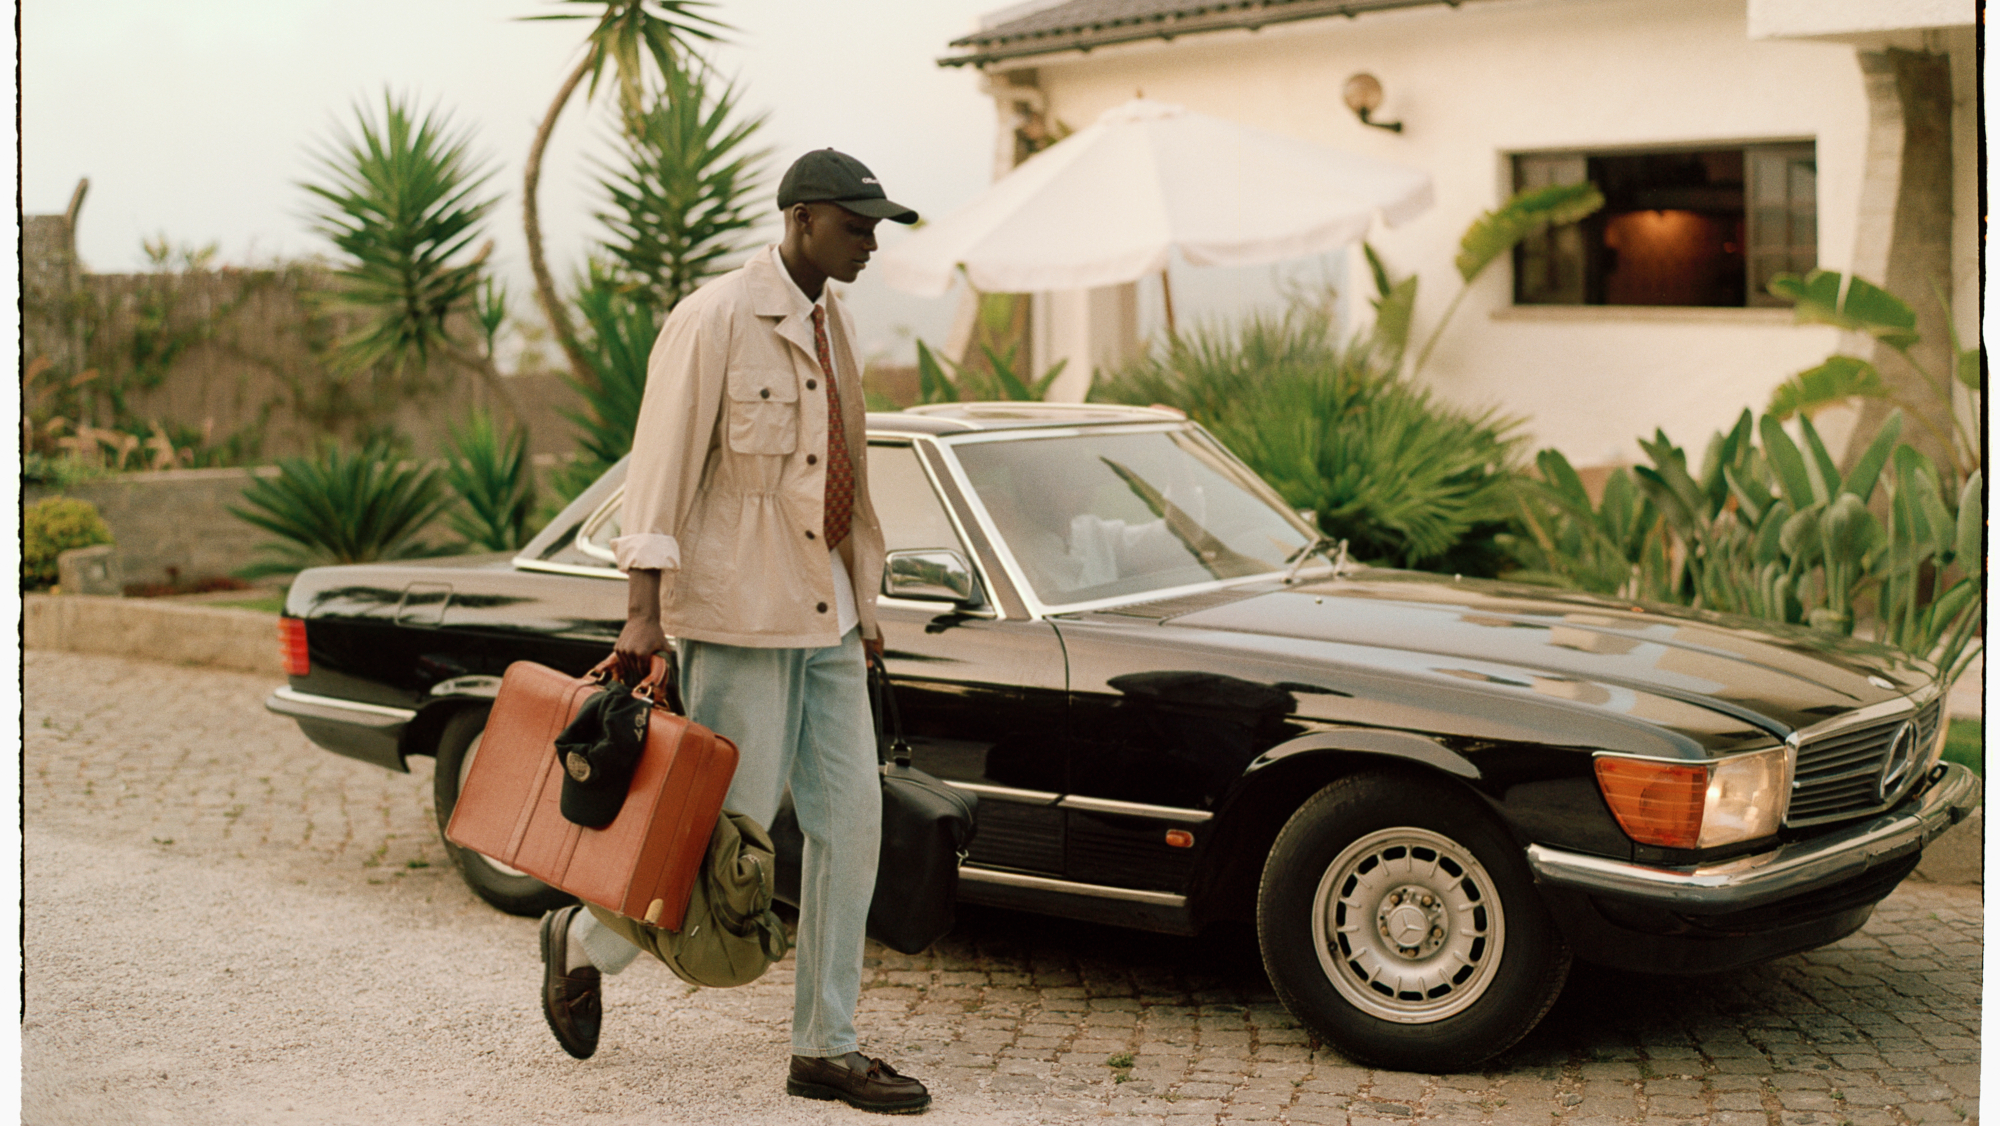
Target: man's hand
x=642 y=636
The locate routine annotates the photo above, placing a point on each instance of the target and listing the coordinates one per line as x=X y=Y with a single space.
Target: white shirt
x=843 y=585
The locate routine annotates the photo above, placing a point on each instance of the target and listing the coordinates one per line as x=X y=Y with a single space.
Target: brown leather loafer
x=858 y=1081
x=570 y=999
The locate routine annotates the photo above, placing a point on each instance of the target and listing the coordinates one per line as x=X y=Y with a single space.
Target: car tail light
x=292 y=646
x=1698 y=805
x=1656 y=803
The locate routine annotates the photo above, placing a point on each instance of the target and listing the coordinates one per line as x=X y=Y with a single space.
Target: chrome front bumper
x=1786 y=871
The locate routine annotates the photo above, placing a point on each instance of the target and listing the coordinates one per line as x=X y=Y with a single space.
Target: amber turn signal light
x=1179 y=838
x=292 y=646
x=1656 y=803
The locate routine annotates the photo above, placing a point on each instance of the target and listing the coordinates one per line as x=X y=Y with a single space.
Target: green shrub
x=1965 y=744
x=342 y=507
x=1401 y=477
x=51 y=526
x=1770 y=527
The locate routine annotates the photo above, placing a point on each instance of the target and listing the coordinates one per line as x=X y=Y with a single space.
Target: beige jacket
x=726 y=490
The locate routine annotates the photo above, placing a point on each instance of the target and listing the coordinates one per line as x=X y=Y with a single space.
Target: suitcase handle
x=660 y=685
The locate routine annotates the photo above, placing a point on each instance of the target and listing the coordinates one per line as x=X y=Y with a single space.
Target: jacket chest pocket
x=763 y=412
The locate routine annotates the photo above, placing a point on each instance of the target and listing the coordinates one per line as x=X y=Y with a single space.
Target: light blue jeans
x=797 y=717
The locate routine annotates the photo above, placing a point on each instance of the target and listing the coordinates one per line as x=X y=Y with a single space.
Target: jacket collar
x=775 y=295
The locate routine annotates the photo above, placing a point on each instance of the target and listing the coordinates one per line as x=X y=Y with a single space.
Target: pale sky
x=196 y=118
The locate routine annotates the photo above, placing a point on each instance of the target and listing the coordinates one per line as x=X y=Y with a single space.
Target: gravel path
x=227 y=924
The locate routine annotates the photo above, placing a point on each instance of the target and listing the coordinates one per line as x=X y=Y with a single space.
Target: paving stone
x=1026 y=1017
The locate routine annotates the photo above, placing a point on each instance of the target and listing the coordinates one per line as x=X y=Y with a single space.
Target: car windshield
x=1106 y=515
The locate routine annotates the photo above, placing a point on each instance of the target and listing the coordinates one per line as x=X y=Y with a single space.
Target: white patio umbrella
x=1107 y=205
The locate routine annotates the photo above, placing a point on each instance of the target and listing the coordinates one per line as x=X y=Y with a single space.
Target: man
x=749 y=536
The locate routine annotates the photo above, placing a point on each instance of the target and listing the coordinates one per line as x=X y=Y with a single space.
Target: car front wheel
x=1399 y=923
x=514 y=892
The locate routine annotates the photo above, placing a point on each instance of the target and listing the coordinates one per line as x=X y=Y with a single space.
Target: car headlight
x=1698 y=805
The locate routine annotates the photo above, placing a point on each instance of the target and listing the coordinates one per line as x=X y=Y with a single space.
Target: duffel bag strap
x=884 y=697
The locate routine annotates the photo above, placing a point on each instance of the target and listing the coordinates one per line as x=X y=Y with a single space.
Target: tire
x=513 y=892
x=1398 y=921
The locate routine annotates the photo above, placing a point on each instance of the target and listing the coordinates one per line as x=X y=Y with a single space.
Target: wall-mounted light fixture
x=1364 y=96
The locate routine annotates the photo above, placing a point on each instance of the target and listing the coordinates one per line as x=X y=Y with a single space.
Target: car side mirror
x=937 y=575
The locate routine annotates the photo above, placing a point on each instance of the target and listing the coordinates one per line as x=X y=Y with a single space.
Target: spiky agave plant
x=495 y=487
x=343 y=506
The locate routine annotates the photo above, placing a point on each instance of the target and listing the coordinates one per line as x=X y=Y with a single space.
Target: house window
x=1678 y=227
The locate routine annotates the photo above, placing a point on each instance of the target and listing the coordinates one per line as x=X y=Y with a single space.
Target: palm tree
x=627 y=33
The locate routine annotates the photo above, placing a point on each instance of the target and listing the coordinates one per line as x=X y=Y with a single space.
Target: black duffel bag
x=926 y=828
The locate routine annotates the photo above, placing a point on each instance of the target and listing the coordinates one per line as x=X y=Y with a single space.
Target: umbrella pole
x=1167 y=295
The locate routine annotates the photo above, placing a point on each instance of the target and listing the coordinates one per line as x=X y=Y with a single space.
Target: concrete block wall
x=174 y=518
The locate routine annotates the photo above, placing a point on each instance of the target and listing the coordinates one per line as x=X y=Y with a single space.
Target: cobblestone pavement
x=224 y=921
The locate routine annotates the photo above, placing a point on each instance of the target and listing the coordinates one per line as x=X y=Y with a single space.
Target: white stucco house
x=1733 y=138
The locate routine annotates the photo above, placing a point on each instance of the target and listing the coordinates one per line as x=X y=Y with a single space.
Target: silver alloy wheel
x=464 y=772
x=1408 y=925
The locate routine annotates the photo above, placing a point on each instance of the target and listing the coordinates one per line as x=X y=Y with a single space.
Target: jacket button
x=812 y=384
x=766 y=392
x=822 y=607
x=812 y=459
x=809 y=534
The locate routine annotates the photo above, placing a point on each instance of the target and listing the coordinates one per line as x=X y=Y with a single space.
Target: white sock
x=574 y=952
x=591 y=943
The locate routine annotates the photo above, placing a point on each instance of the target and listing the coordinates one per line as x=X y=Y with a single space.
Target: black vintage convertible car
x=1178 y=704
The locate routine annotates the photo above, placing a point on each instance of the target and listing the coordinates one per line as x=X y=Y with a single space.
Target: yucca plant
x=621 y=323
x=343 y=507
x=683 y=190
x=401 y=200
x=494 y=483
x=627 y=34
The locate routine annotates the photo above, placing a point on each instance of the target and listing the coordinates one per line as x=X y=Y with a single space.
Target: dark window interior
x=1700 y=227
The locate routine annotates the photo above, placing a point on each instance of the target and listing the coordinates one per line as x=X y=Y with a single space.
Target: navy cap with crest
x=831 y=176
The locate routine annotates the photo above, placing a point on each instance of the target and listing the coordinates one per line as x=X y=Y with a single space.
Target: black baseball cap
x=830 y=176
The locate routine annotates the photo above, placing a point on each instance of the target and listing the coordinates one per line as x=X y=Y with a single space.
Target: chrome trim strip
x=351 y=711
x=1058 y=429
x=940 y=608
x=1874 y=713
x=569 y=569
x=474 y=685
x=1135 y=809
x=582 y=542
x=958 y=529
x=1065 y=887
x=1005 y=793
x=1781 y=873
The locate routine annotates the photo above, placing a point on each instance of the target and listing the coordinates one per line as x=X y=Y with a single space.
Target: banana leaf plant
x=1771 y=528
x=1855 y=305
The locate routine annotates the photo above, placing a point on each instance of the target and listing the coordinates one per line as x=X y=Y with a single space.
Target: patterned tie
x=839 y=469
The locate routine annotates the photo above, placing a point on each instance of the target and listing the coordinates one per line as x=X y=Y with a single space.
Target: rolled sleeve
x=648 y=551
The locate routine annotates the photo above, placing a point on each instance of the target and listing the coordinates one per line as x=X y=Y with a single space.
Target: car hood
x=1779 y=677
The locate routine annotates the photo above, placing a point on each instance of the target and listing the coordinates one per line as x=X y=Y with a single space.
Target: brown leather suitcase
x=643 y=865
